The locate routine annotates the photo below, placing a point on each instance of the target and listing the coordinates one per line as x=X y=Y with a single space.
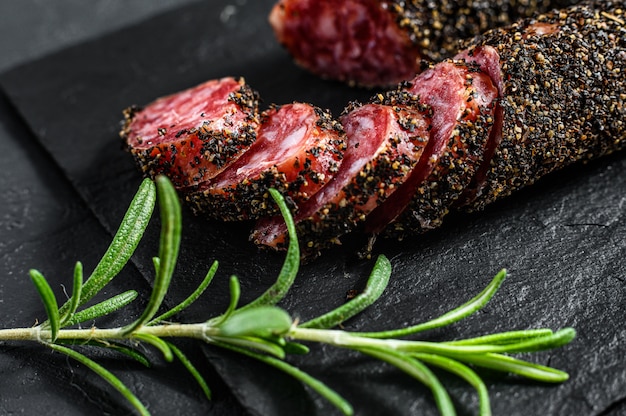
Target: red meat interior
x=349 y=40
x=166 y=119
x=283 y=136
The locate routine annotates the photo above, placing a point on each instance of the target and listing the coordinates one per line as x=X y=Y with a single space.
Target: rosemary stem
x=345 y=339
x=37 y=333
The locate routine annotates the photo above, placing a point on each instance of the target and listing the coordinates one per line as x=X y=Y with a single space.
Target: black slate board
x=563 y=240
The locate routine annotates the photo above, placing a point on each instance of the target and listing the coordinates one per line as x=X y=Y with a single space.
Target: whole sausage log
x=382 y=42
x=561 y=80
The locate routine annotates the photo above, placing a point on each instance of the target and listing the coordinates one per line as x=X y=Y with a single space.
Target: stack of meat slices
x=462 y=99
x=385 y=143
x=299 y=148
x=516 y=104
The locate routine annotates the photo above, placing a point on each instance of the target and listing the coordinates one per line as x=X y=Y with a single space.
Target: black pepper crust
x=564 y=94
x=250 y=198
x=437 y=27
x=220 y=146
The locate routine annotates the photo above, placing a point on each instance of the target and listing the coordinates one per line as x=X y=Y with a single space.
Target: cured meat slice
x=384 y=142
x=487 y=58
x=298 y=149
x=563 y=85
x=462 y=99
x=356 y=41
x=382 y=42
x=193 y=135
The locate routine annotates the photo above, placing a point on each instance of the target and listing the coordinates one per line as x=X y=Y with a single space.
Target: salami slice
x=298 y=149
x=193 y=135
x=383 y=143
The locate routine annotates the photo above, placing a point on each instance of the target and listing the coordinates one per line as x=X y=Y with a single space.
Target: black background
x=65 y=183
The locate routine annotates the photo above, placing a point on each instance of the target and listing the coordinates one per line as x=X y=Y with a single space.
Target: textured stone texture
x=563 y=239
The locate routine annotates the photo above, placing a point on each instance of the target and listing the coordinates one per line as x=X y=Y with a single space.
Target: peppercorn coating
x=437 y=27
x=453 y=171
x=563 y=95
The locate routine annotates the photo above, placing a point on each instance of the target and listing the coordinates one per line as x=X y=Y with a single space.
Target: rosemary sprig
x=262 y=330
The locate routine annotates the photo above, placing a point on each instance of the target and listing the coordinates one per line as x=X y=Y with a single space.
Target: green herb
x=262 y=330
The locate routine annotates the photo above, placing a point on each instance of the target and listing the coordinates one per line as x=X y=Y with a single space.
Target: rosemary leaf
x=557 y=339
x=376 y=284
x=235 y=292
x=103 y=308
x=156 y=342
x=156 y=263
x=110 y=345
x=507 y=364
x=291 y=264
x=501 y=338
x=322 y=389
x=191 y=298
x=261 y=321
x=465 y=373
x=455 y=315
x=295 y=348
x=104 y=374
x=124 y=243
x=77 y=288
x=49 y=302
x=191 y=369
x=171 y=224
x=420 y=372
x=129 y=352
x=251 y=343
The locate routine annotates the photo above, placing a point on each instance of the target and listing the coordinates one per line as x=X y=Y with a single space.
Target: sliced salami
x=298 y=149
x=384 y=142
x=462 y=99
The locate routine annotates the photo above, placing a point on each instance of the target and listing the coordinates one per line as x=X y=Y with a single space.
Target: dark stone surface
x=563 y=240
